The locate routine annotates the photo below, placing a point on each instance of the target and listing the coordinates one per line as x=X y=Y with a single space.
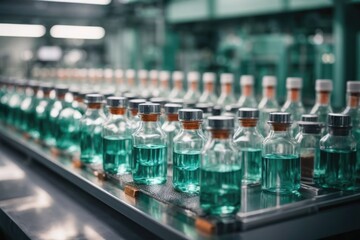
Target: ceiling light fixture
x=94 y=2
x=77 y=32
x=22 y=30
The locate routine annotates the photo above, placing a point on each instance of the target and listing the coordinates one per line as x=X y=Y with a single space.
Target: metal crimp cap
x=221 y=122
x=216 y=111
x=232 y=108
x=205 y=107
x=159 y=100
x=149 y=108
x=120 y=102
x=94 y=98
x=309 y=118
x=339 y=120
x=190 y=115
x=130 y=95
x=248 y=113
x=190 y=103
x=172 y=108
x=134 y=103
x=61 y=89
x=280 y=117
x=46 y=87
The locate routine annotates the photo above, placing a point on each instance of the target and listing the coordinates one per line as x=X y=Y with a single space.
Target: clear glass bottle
x=208 y=95
x=280 y=157
x=154 y=80
x=116 y=137
x=247 y=98
x=322 y=107
x=164 y=84
x=231 y=111
x=14 y=103
x=293 y=104
x=226 y=97
x=188 y=145
x=130 y=81
x=149 y=147
x=193 y=93
x=58 y=105
x=143 y=80
x=43 y=112
x=4 y=102
x=220 y=169
x=248 y=142
x=27 y=107
x=133 y=117
x=171 y=127
x=338 y=149
x=308 y=139
x=90 y=130
x=68 y=131
x=120 y=83
x=207 y=109
x=353 y=109
x=268 y=103
x=178 y=91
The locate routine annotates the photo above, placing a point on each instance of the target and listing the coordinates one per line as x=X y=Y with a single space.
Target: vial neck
x=353 y=100
x=178 y=85
x=164 y=84
x=226 y=89
x=149 y=117
x=154 y=82
x=60 y=97
x=193 y=86
x=323 y=98
x=269 y=92
x=247 y=90
x=143 y=82
x=191 y=125
x=248 y=123
x=134 y=112
x=220 y=134
x=46 y=95
x=280 y=128
x=293 y=95
x=78 y=99
x=116 y=111
x=209 y=87
x=173 y=117
x=131 y=82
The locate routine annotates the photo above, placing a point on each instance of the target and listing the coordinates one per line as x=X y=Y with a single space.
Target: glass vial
x=208 y=95
x=247 y=98
x=116 y=138
x=145 y=91
x=164 y=79
x=130 y=81
x=177 y=92
x=226 y=97
x=193 y=93
x=42 y=112
x=309 y=139
x=91 y=128
x=337 y=154
x=322 y=107
x=149 y=164
x=293 y=104
x=187 y=152
x=171 y=127
x=248 y=142
x=133 y=116
x=207 y=109
x=220 y=170
x=280 y=157
x=268 y=103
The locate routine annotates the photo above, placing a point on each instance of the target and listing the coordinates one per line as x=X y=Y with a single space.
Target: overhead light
x=49 y=53
x=77 y=32
x=21 y=30
x=94 y=2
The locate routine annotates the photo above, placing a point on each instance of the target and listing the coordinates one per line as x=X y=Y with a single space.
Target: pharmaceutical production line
x=51 y=196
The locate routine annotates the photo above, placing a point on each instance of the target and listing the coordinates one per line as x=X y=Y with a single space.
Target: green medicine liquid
x=281 y=173
x=149 y=164
x=251 y=165
x=220 y=189
x=91 y=146
x=117 y=155
x=186 y=171
x=339 y=169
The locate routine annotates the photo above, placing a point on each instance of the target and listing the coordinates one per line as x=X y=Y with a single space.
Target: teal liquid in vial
x=186 y=171
x=281 y=173
x=117 y=154
x=149 y=164
x=338 y=168
x=220 y=189
x=90 y=146
x=251 y=165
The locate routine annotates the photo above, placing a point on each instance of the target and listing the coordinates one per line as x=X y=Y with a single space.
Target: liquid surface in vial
x=250 y=165
x=186 y=171
x=117 y=154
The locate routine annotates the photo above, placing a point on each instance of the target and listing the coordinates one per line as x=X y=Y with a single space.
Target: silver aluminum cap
x=248 y=113
x=221 y=122
x=339 y=120
x=131 y=96
x=280 y=117
x=134 y=103
x=94 y=98
x=309 y=118
x=159 y=100
x=216 y=111
x=233 y=108
x=172 y=108
x=61 y=89
x=205 y=107
x=120 y=102
x=190 y=115
x=190 y=104
x=149 y=108
x=46 y=87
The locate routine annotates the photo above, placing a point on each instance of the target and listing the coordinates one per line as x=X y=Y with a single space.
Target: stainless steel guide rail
x=261 y=213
